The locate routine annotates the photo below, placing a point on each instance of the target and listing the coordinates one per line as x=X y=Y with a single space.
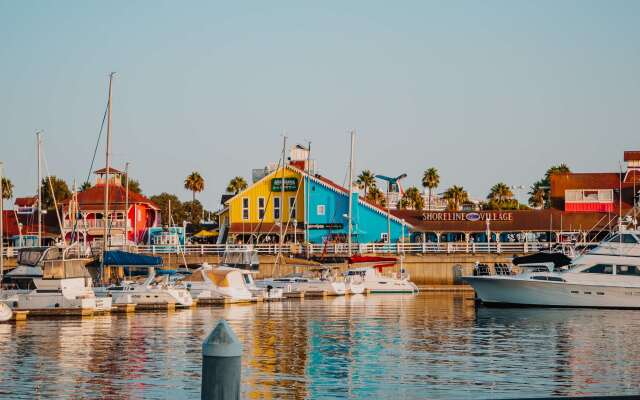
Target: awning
x=118 y=257
x=558 y=259
x=205 y=234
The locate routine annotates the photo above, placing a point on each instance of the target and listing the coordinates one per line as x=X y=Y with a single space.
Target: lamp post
x=517 y=189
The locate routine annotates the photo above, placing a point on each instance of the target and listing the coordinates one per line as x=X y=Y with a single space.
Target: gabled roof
x=111 y=171
x=117 y=197
x=30 y=201
x=632 y=156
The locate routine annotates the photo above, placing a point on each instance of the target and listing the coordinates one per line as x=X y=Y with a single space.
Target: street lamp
x=517 y=189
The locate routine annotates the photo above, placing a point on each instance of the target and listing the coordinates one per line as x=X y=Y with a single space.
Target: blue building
x=327 y=209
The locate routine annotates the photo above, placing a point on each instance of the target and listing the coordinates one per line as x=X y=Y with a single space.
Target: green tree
x=412 y=198
x=376 y=196
x=60 y=191
x=500 y=192
x=555 y=169
x=194 y=183
x=455 y=196
x=7 y=188
x=236 y=185
x=177 y=209
x=134 y=185
x=193 y=211
x=85 y=186
x=365 y=181
x=539 y=191
x=430 y=180
x=537 y=195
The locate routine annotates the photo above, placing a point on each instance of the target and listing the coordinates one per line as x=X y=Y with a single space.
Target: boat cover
x=119 y=257
x=558 y=259
x=369 y=259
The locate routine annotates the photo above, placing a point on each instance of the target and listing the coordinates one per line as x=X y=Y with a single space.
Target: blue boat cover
x=118 y=257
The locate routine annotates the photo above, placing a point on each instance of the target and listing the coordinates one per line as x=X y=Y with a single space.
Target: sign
x=468 y=216
x=290 y=184
x=334 y=226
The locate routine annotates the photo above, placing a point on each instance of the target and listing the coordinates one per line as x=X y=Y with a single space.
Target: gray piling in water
x=221 y=364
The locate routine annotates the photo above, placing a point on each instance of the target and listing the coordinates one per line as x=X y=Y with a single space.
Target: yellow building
x=259 y=212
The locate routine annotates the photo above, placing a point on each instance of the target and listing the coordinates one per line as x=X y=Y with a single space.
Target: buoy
x=5 y=312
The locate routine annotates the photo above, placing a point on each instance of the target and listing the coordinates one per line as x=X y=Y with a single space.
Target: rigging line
x=257 y=229
x=95 y=150
x=53 y=195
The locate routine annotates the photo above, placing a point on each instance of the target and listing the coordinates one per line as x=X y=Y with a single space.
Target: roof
x=632 y=155
x=599 y=180
x=94 y=196
x=506 y=221
x=29 y=224
x=26 y=201
x=111 y=171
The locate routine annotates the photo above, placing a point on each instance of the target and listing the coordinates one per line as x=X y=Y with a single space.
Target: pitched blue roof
x=118 y=257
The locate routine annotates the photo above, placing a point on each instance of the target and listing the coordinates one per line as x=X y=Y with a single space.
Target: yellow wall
x=262 y=188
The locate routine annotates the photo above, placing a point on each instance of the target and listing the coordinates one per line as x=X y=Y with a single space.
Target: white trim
x=248 y=208
x=263 y=208
x=292 y=205
x=279 y=208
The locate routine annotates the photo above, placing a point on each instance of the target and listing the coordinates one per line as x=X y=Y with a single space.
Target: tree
x=85 y=186
x=7 y=188
x=177 y=209
x=455 y=196
x=561 y=168
x=60 y=191
x=412 y=199
x=430 y=180
x=193 y=211
x=500 y=192
x=194 y=183
x=134 y=185
x=376 y=196
x=236 y=185
x=539 y=191
x=365 y=181
x=537 y=195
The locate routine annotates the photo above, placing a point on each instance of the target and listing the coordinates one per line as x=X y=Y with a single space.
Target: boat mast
x=126 y=202
x=39 y=178
x=2 y=224
x=353 y=139
x=105 y=218
x=284 y=151
x=306 y=195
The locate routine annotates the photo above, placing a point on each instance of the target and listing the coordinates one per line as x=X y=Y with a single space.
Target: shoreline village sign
x=290 y=184
x=467 y=216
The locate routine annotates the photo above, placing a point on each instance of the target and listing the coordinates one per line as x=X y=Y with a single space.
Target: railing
x=338 y=249
x=95 y=224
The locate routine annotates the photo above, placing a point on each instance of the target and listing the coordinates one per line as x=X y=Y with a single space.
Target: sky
x=485 y=91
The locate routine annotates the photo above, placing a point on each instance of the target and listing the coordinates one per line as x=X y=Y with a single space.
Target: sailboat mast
x=284 y=151
x=2 y=224
x=105 y=218
x=353 y=139
x=39 y=179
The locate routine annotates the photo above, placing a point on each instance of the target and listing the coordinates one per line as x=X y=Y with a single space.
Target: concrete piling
x=221 y=364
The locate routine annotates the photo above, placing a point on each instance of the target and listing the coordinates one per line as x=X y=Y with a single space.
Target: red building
x=130 y=214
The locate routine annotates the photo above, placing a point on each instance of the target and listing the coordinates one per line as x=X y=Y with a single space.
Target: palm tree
x=430 y=180
x=85 y=186
x=366 y=180
x=237 y=185
x=562 y=168
x=456 y=195
x=194 y=183
x=7 y=188
x=412 y=199
x=537 y=196
x=376 y=196
x=500 y=192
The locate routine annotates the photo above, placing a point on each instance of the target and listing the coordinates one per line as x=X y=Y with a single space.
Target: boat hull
x=506 y=292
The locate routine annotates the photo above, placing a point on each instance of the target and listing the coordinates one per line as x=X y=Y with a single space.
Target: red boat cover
x=369 y=259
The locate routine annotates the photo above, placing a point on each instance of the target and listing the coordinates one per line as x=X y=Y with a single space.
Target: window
x=320 y=209
x=588 y=195
x=624 y=238
x=261 y=206
x=245 y=208
x=600 y=269
x=384 y=237
x=628 y=270
x=276 y=208
x=292 y=208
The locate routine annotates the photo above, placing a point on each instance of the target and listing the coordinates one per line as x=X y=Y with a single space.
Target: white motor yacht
x=608 y=276
x=154 y=290
x=29 y=266
x=325 y=283
x=208 y=282
x=371 y=278
x=64 y=289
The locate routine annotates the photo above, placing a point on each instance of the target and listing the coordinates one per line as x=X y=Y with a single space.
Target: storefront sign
x=334 y=226
x=468 y=216
x=290 y=184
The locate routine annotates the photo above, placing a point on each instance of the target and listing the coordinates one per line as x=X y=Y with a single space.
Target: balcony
x=95 y=224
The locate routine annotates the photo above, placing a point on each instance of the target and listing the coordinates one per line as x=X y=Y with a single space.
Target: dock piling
x=221 y=364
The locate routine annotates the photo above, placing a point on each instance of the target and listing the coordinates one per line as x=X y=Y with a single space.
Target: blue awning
x=118 y=257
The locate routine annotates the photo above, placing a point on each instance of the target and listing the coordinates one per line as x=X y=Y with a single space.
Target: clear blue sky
x=485 y=91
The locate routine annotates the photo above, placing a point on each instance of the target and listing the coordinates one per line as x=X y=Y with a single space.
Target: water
x=382 y=346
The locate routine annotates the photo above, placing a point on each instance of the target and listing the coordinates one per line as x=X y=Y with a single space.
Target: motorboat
x=301 y=283
x=220 y=282
x=29 y=266
x=268 y=293
x=65 y=288
x=607 y=276
x=154 y=290
x=373 y=280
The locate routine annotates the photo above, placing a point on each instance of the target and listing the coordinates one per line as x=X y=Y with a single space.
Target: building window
x=384 y=237
x=261 y=207
x=245 y=208
x=600 y=269
x=276 y=208
x=292 y=208
x=588 y=195
x=320 y=209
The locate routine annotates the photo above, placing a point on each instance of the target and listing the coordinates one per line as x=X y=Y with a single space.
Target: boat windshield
x=626 y=238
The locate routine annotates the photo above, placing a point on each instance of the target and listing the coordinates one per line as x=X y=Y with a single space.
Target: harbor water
x=433 y=345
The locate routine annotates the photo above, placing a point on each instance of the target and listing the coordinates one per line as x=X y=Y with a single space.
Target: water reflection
x=397 y=346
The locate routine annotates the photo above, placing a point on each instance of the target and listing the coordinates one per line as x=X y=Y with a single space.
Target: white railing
x=95 y=224
x=340 y=249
